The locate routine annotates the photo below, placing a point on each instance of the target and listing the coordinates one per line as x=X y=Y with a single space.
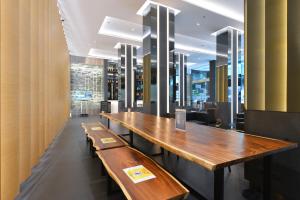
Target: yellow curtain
x=34 y=92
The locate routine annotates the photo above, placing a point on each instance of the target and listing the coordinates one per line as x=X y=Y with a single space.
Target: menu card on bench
x=138 y=173
x=108 y=140
x=98 y=128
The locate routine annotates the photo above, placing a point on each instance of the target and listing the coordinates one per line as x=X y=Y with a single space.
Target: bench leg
x=109 y=185
x=131 y=138
x=91 y=146
x=103 y=171
x=219 y=184
x=108 y=123
x=92 y=150
x=267 y=178
x=94 y=155
x=229 y=169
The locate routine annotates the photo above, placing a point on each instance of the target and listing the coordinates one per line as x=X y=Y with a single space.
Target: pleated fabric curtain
x=34 y=92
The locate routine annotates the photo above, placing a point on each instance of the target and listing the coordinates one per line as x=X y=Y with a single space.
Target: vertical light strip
x=237 y=72
x=158 y=62
x=183 y=81
x=179 y=85
x=125 y=75
x=168 y=62
x=231 y=117
x=132 y=78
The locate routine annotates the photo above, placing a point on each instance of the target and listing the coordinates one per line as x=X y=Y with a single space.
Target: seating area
x=149 y=99
x=110 y=148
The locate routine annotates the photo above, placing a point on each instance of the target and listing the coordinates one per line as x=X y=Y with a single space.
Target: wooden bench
x=101 y=138
x=163 y=186
x=92 y=126
x=105 y=139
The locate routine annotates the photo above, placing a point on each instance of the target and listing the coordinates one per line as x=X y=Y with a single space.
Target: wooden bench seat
x=92 y=126
x=100 y=136
x=99 y=143
x=163 y=186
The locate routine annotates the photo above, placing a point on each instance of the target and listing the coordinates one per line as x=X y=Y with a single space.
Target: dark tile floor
x=67 y=171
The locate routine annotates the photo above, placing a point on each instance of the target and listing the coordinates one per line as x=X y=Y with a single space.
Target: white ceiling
x=193 y=25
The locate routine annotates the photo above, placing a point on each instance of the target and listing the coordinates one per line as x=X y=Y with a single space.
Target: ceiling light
x=217 y=8
x=226 y=29
x=188 y=64
x=96 y=53
x=198 y=24
x=111 y=29
x=197 y=50
x=118 y=45
x=145 y=8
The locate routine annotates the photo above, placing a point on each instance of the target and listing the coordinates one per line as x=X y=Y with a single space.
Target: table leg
x=219 y=184
x=267 y=178
x=131 y=138
x=108 y=123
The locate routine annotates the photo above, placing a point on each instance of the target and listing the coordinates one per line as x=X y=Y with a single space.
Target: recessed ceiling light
x=113 y=31
x=145 y=8
x=132 y=29
x=217 y=8
x=118 y=45
x=97 y=53
x=197 y=50
x=226 y=29
x=198 y=24
x=189 y=64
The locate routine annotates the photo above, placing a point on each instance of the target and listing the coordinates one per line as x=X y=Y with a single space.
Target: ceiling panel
x=193 y=25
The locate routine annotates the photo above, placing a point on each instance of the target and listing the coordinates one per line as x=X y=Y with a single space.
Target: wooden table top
x=210 y=147
x=163 y=186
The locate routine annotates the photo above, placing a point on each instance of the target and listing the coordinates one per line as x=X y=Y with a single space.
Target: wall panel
x=24 y=85
x=293 y=51
x=276 y=55
x=34 y=81
x=255 y=54
x=34 y=92
x=9 y=98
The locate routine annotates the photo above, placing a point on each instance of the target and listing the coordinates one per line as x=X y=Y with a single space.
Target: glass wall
x=200 y=86
x=87 y=88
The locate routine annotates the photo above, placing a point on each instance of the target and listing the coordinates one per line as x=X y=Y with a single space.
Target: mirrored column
x=158 y=52
x=181 y=68
x=229 y=74
x=127 y=67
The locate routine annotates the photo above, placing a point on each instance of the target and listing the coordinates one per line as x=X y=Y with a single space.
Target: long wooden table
x=211 y=148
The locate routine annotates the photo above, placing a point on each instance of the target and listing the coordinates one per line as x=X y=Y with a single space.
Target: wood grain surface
x=88 y=126
x=209 y=147
x=164 y=186
x=97 y=135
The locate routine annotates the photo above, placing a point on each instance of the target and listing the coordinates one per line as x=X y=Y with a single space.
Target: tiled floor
x=67 y=171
